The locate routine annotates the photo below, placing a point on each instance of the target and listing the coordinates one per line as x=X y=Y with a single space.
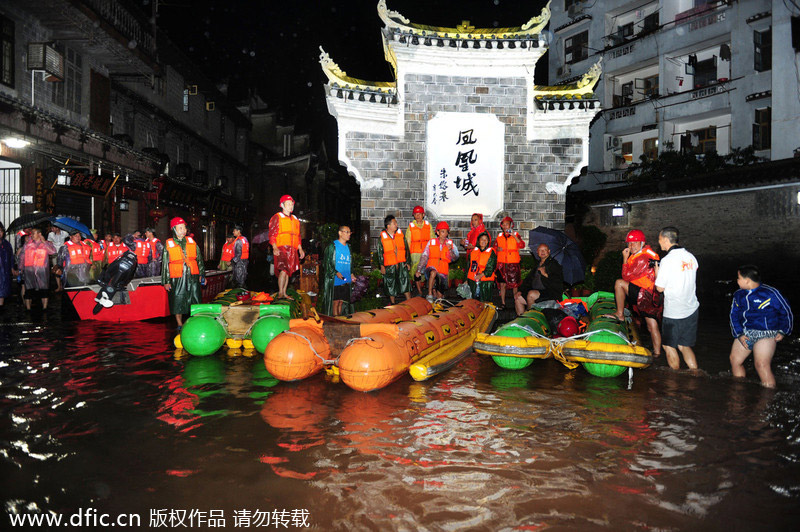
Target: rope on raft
x=324 y=360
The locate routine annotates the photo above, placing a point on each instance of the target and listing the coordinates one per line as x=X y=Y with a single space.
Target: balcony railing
x=132 y=27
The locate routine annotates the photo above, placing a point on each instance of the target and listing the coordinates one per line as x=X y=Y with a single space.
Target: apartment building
x=697 y=76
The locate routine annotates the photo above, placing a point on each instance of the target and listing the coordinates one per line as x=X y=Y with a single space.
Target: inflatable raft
x=606 y=349
x=372 y=349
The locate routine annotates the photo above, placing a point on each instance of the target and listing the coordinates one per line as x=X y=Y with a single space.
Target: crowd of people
x=660 y=290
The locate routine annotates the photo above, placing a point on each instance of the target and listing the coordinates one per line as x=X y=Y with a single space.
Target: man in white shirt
x=676 y=277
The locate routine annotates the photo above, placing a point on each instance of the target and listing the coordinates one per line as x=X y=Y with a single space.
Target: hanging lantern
x=194 y=219
x=157 y=213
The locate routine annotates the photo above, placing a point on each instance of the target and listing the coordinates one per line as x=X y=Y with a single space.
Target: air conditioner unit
x=210 y=106
x=563 y=70
x=192 y=90
x=616 y=142
x=575 y=9
x=43 y=57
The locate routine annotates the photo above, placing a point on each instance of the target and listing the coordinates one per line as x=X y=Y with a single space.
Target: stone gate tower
x=462 y=128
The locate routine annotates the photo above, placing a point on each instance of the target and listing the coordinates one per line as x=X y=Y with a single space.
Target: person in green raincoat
x=334 y=295
x=183 y=270
x=481 y=263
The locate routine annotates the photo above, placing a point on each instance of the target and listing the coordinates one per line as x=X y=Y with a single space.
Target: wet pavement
x=106 y=417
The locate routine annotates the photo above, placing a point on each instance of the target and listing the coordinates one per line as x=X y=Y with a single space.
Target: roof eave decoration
x=339 y=78
x=396 y=21
x=581 y=89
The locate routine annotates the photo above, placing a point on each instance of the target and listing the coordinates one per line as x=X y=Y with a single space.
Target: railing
x=125 y=22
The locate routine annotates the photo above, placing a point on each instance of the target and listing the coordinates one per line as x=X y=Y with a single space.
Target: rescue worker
x=435 y=261
x=227 y=253
x=396 y=261
x=241 y=256
x=183 y=271
x=482 y=264
x=287 y=248
x=475 y=230
x=96 y=256
x=418 y=234
x=36 y=268
x=156 y=251
x=75 y=258
x=507 y=246
x=143 y=253
x=637 y=285
x=115 y=249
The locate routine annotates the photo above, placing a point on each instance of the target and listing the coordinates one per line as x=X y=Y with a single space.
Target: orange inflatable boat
x=372 y=349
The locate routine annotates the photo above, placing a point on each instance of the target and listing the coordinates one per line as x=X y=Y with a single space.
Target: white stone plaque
x=466 y=163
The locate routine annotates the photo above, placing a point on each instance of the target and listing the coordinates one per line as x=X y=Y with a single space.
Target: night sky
x=273 y=46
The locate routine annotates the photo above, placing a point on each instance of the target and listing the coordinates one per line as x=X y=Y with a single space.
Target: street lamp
x=15 y=142
x=618 y=211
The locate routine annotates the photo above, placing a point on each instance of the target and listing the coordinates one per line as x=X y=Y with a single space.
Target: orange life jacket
x=78 y=254
x=142 y=251
x=507 y=249
x=246 y=243
x=637 y=270
x=288 y=232
x=36 y=257
x=227 y=251
x=97 y=252
x=439 y=257
x=477 y=263
x=177 y=259
x=154 y=249
x=419 y=235
x=394 y=248
x=115 y=251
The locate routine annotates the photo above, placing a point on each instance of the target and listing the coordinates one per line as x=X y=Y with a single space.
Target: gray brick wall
x=401 y=162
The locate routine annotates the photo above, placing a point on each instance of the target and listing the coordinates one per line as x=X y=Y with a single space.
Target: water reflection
x=111 y=417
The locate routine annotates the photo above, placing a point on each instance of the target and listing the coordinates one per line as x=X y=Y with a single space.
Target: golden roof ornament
x=582 y=88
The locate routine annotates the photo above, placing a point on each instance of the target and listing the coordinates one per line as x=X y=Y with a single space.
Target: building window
x=185 y=100
x=706 y=140
x=569 y=3
x=67 y=94
x=627 y=152
x=6 y=51
x=762 y=50
x=762 y=135
x=650 y=148
x=576 y=48
x=705 y=72
x=648 y=86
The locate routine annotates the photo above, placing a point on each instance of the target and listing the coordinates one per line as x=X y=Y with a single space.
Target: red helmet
x=568 y=327
x=285 y=197
x=509 y=220
x=635 y=236
x=419 y=209
x=176 y=221
x=442 y=225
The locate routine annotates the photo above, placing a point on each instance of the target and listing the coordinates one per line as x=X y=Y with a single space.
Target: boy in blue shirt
x=334 y=296
x=760 y=318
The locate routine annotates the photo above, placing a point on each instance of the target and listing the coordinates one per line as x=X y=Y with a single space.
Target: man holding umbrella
x=545 y=283
x=183 y=270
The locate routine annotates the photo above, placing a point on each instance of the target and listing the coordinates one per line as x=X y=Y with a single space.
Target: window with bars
x=762 y=50
x=706 y=140
x=68 y=93
x=6 y=51
x=762 y=134
x=576 y=48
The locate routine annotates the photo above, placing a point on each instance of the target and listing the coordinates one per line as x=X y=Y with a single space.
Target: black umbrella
x=563 y=249
x=29 y=220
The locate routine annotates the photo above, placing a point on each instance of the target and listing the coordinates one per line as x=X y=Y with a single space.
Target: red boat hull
x=147 y=301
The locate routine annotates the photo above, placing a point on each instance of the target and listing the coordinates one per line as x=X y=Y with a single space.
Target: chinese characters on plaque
x=465 y=164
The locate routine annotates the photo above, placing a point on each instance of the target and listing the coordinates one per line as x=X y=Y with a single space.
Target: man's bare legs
x=283 y=283
x=675 y=362
x=655 y=335
x=620 y=295
x=521 y=304
x=763 y=352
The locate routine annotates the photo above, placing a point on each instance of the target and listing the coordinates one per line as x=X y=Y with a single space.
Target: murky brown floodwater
x=106 y=418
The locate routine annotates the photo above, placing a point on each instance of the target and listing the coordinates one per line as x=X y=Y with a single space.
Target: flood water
x=106 y=417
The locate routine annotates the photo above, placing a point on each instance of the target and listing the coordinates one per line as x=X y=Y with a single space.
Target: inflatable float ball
x=266 y=329
x=603 y=325
x=297 y=354
x=202 y=335
x=512 y=362
x=604 y=370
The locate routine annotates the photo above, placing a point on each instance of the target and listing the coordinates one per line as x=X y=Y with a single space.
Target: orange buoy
x=373 y=362
x=297 y=353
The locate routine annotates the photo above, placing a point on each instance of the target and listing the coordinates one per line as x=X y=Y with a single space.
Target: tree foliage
x=672 y=164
